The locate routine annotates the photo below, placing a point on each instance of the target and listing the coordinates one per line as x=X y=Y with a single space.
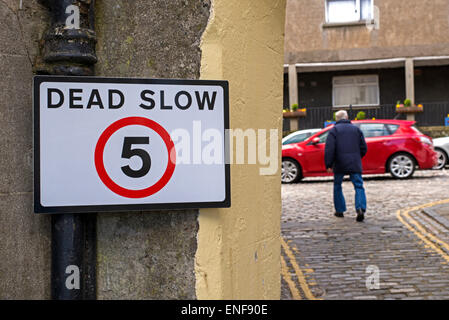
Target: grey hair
x=340 y=115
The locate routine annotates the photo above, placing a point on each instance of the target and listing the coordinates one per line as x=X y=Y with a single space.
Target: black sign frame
x=40 y=209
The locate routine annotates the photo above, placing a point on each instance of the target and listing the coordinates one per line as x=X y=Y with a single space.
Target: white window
x=348 y=10
x=355 y=90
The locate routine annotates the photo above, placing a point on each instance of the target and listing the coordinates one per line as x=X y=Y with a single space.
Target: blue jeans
x=339 y=199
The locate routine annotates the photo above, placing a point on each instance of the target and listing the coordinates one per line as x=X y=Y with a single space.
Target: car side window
x=374 y=130
x=323 y=137
x=297 y=138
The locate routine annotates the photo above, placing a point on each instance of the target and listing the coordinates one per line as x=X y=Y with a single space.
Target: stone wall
x=435 y=132
x=140 y=255
x=24 y=236
x=148 y=255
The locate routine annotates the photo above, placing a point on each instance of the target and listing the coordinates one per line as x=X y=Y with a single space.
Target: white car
x=299 y=136
x=441 y=146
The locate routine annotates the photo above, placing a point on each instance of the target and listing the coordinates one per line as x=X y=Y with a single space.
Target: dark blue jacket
x=345 y=148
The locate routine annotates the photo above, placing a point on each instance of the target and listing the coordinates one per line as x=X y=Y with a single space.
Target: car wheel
x=401 y=166
x=442 y=159
x=291 y=171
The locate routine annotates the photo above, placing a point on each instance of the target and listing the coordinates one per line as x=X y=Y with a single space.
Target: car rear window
x=392 y=128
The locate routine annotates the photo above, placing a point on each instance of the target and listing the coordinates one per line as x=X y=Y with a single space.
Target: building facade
x=367 y=55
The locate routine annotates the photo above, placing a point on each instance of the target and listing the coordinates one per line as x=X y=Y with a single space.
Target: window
x=322 y=137
x=338 y=11
x=374 y=130
x=392 y=128
x=355 y=91
x=297 y=138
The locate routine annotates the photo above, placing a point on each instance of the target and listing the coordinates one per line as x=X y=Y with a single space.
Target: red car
x=394 y=146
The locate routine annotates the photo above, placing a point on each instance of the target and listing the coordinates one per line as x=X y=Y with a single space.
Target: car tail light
x=425 y=140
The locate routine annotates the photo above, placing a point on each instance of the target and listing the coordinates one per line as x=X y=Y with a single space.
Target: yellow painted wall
x=238 y=248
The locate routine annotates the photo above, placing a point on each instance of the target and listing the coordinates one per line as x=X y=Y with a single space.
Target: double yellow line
x=431 y=241
x=299 y=274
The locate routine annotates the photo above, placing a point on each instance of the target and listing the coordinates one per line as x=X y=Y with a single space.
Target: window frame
x=355 y=85
x=359 y=11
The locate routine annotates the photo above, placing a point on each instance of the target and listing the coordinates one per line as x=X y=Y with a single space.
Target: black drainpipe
x=71 y=52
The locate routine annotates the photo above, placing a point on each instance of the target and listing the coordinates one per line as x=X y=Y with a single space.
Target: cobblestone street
x=405 y=237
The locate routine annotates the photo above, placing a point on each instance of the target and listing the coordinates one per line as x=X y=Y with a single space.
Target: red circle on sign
x=114 y=187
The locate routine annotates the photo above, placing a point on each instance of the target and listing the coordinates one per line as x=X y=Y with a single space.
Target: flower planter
x=412 y=109
x=295 y=114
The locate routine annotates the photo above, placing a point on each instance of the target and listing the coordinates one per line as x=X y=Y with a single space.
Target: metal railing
x=433 y=115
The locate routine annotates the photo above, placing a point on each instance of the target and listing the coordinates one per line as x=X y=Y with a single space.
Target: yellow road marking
x=301 y=279
x=420 y=236
x=420 y=232
x=288 y=279
x=425 y=232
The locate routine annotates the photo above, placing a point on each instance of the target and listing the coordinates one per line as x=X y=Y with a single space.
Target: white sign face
x=115 y=144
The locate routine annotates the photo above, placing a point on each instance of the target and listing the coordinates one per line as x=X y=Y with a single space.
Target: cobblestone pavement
x=332 y=258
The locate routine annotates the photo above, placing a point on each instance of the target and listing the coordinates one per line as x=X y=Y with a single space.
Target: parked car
x=441 y=146
x=299 y=136
x=394 y=146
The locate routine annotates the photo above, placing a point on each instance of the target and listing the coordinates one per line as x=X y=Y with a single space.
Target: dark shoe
x=360 y=215
x=339 y=215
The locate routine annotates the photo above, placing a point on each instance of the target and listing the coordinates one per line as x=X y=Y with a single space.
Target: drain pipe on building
x=68 y=48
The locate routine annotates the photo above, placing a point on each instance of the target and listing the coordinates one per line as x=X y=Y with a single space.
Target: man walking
x=345 y=148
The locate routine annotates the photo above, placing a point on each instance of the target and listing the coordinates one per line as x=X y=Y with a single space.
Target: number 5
x=127 y=153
